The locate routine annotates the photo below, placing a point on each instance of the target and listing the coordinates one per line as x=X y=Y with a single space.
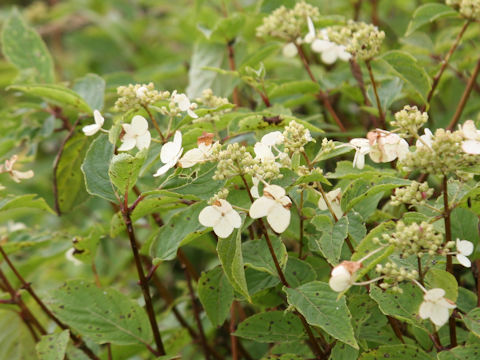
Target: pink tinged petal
x=261 y=207
x=425 y=310
x=223 y=228
x=278 y=218
x=143 y=141
x=434 y=294
x=276 y=191
x=471 y=147
x=462 y=259
x=439 y=315
x=139 y=125
x=164 y=169
x=99 y=120
x=128 y=143
x=289 y=50
x=209 y=216
x=234 y=218
x=90 y=130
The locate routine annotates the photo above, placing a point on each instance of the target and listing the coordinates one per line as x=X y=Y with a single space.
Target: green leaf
x=215 y=294
x=298 y=272
x=259 y=55
x=229 y=252
x=343 y=351
x=297 y=87
x=53 y=346
x=68 y=177
x=25 y=49
x=16 y=342
x=464 y=225
x=428 y=13
x=396 y=352
x=124 y=169
x=331 y=238
x=472 y=321
x=406 y=67
x=95 y=168
x=320 y=307
x=468 y=352
x=271 y=326
x=103 y=314
x=184 y=224
x=56 y=94
x=256 y=254
x=28 y=201
x=282 y=357
x=91 y=88
x=438 y=278
x=227 y=28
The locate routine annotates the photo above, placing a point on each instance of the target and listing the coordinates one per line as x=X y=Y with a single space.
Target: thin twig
x=154 y=122
x=233 y=338
x=356 y=9
x=302 y=220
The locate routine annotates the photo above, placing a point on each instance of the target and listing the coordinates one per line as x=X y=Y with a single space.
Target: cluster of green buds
x=234 y=160
x=414 y=194
x=409 y=120
x=416 y=239
x=266 y=170
x=296 y=136
x=221 y=195
x=469 y=9
x=212 y=102
x=133 y=97
x=287 y=24
x=362 y=40
x=393 y=274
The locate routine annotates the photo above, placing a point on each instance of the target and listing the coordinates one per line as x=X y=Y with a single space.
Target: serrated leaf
x=297 y=87
x=298 y=272
x=25 y=49
x=124 y=170
x=428 y=13
x=396 y=352
x=91 y=88
x=215 y=294
x=468 y=352
x=320 y=307
x=95 y=168
x=343 y=351
x=16 y=343
x=271 y=326
x=472 y=321
x=104 y=315
x=29 y=201
x=256 y=254
x=331 y=238
x=56 y=94
x=53 y=346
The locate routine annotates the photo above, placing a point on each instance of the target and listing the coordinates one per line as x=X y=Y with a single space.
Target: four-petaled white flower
x=341 y=277
x=330 y=51
x=464 y=249
x=136 y=134
x=435 y=307
x=426 y=139
x=16 y=175
x=362 y=148
x=170 y=153
x=92 y=129
x=333 y=198
x=222 y=217
x=198 y=154
x=386 y=146
x=472 y=143
x=290 y=50
x=275 y=205
x=184 y=104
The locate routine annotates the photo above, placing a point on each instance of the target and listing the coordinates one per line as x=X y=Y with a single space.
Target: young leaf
x=320 y=306
x=332 y=237
x=95 y=168
x=28 y=201
x=467 y=352
x=215 y=294
x=91 y=88
x=104 y=315
x=396 y=352
x=428 y=13
x=53 y=346
x=25 y=49
x=272 y=326
x=16 y=341
x=124 y=169
x=257 y=255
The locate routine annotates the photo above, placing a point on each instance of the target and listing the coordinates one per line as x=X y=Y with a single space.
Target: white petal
x=340 y=282
x=22 y=175
x=329 y=56
x=139 y=125
x=289 y=50
x=177 y=139
x=462 y=259
x=164 y=169
x=311 y=30
x=261 y=207
x=143 y=141
x=359 y=160
x=319 y=45
x=446 y=304
x=254 y=192
x=469 y=130
x=439 y=315
x=465 y=247
x=90 y=130
x=140 y=93
x=182 y=101
x=425 y=309
x=191 y=113
x=471 y=147
x=209 y=216
x=434 y=294
x=99 y=120
x=234 y=218
x=263 y=152
x=128 y=143
x=276 y=191
x=402 y=149
x=169 y=152
x=191 y=158
x=273 y=138
x=223 y=229
x=360 y=143
x=343 y=54
x=278 y=218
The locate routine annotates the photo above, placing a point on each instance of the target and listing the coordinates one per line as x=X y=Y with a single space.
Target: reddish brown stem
x=381 y=116
x=233 y=338
x=231 y=63
x=154 y=122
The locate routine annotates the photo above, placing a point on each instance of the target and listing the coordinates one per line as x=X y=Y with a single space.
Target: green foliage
x=124 y=170
x=54 y=346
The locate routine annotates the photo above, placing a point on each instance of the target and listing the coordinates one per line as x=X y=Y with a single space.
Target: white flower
x=362 y=148
x=472 y=143
x=184 y=104
x=92 y=129
x=170 y=153
x=464 y=249
x=263 y=152
x=330 y=51
x=16 y=175
x=435 y=307
x=136 y=134
x=263 y=149
x=311 y=31
x=199 y=154
x=290 y=50
x=427 y=139
x=273 y=138
x=333 y=198
x=386 y=146
x=140 y=93
x=222 y=217
x=275 y=205
x=70 y=257
x=341 y=277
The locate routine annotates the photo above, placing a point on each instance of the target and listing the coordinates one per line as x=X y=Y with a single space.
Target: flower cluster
x=133 y=97
x=232 y=161
x=296 y=136
x=409 y=120
x=392 y=275
x=414 y=194
x=468 y=8
x=177 y=104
